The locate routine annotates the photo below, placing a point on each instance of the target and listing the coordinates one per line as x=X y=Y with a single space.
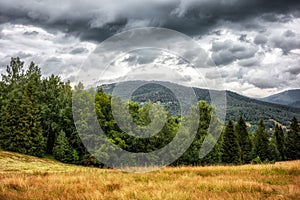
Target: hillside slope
x=237 y=105
x=289 y=97
x=16 y=162
x=26 y=177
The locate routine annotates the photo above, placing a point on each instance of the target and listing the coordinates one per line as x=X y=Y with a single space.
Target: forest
x=36 y=118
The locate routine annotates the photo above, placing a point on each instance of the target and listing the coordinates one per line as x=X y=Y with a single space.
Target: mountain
x=295 y=104
x=237 y=105
x=289 y=97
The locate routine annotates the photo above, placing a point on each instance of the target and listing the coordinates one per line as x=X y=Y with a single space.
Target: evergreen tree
x=11 y=95
x=31 y=112
x=22 y=131
x=63 y=151
x=230 y=146
x=274 y=154
x=244 y=140
x=262 y=142
x=51 y=105
x=279 y=139
x=293 y=140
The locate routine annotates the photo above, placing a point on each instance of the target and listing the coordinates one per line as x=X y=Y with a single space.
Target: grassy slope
x=26 y=177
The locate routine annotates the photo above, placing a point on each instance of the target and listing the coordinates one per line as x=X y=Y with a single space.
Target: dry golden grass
x=26 y=177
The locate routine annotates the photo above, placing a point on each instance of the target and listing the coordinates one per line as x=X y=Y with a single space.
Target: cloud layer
x=255 y=44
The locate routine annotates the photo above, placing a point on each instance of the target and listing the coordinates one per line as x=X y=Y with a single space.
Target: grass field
x=26 y=177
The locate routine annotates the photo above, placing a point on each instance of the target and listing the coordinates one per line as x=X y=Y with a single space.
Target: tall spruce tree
x=244 y=140
x=11 y=95
x=20 y=112
x=293 y=140
x=262 y=142
x=63 y=151
x=279 y=139
x=51 y=92
x=230 y=147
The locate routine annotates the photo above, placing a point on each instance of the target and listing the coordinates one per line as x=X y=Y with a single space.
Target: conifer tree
x=293 y=140
x=20 y=116
x=63 y=151
x=262 y=142
x=244 y=140
x=280 y=141
x=230 y=146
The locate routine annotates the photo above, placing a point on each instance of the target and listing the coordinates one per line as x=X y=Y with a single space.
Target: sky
x=254 y=44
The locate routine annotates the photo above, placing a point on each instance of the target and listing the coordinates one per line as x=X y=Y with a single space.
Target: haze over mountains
x=237 y=105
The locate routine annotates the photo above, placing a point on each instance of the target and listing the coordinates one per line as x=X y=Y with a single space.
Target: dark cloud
x=264 y=83
x=273 y=17
x=289 y=33
x=243 y=38
x=94 y=20
x=31 y=33
x=223 y=57
x=252 y=32
x=260 y=39
x=295 y=70
x=228 y=51
x=249 y=62
x=287 y=41
x=79 y=50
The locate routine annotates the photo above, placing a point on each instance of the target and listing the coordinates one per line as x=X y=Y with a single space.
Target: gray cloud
x=94 y=20
x=229 y=51
x=31 y=33
x=287 y=41
x=245 y=38
x=295 y=70
x=260 y=39
x=249 y=62
x=273 y=17
x=79 y=50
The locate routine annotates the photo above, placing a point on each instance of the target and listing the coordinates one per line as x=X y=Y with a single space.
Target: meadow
x=27 y=177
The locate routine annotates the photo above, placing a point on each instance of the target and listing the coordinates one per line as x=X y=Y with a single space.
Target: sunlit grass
x=26 y=177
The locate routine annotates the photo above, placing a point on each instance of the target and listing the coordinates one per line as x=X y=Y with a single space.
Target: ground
x=26 y=177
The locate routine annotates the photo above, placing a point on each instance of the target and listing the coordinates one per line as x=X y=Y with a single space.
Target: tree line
x=37 y=119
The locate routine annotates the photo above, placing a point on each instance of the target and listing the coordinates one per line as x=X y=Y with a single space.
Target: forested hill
x=37 y=118
x=237 y=105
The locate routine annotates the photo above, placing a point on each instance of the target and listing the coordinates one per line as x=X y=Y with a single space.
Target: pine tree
x=279 y=139
x=244 y=140
x=262 y=142
x=51 y=105
x=230 y=147
x=32 y=110
x=22 y=131
x=293 y=140
x=11 y=94
x=63 y=151
x=274 y=154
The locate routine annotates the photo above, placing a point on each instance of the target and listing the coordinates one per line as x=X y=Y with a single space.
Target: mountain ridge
x=287 y=97
x=238 y=105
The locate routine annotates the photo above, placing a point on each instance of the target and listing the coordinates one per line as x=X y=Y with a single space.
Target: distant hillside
x=295 y=104
x=251 y=109
x=289 y=97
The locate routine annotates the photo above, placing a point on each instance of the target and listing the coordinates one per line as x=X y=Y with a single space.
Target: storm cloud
x=255 y=44
x=97 y=20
